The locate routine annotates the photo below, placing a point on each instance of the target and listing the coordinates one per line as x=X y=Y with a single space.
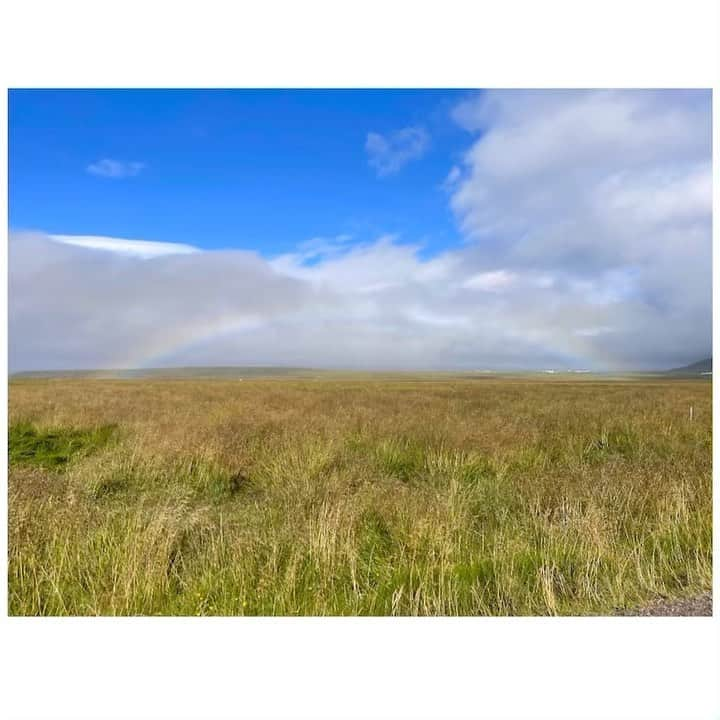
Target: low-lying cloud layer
x=587 y=220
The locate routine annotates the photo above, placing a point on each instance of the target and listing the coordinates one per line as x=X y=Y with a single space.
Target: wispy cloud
x=135 y=248
x=389 y=153
x=115 y=168
x=452 y=177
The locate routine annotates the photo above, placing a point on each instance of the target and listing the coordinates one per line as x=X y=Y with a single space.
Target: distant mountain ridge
x=697 y=367
x=168 y=372
x=253 y=371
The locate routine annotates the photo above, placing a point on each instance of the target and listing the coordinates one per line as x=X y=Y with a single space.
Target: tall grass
x=308 y=497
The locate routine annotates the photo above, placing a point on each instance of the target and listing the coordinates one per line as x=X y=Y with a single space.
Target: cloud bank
x=587 y=226
x=603 y=193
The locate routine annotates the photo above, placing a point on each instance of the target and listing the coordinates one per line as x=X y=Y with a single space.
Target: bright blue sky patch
x=263 y=170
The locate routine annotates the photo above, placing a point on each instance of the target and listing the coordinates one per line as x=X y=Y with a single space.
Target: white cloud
x=490 y=281
x=452 y=177
x=75 y=306
x=389 y=153
x=608 y=193
x=376 y=305
x=115 y=168
x=658 y=196
x=135 y=248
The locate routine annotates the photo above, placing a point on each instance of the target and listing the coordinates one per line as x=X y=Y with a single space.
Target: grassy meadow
x=351 y=495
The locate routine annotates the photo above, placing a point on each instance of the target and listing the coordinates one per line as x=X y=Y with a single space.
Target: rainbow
x=183 y=336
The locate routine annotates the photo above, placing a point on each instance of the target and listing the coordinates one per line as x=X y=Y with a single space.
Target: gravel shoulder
x=699 y=606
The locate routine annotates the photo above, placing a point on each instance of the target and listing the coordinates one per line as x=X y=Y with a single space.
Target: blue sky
x=255 y=169
x=426 y=229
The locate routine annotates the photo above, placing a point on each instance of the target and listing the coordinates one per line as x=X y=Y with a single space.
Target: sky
x=388 y=229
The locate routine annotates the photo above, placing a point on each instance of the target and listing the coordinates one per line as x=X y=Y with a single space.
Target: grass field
x=355 y=495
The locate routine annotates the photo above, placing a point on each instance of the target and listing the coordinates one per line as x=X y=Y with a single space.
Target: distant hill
x=171 y=372
x=702 y=366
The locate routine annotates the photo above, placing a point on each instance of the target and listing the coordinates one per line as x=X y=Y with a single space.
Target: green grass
x=368 y=499
x=54 y=448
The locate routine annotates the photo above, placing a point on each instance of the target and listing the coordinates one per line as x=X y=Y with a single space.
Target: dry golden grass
x=351 y=495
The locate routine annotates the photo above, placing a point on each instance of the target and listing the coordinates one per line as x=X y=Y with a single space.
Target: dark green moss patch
x=53 y=448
